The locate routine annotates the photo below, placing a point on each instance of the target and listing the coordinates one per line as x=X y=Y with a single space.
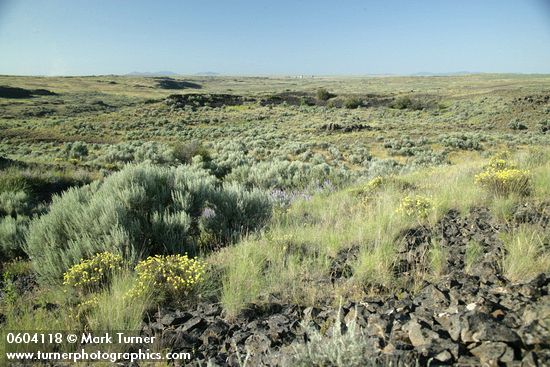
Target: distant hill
x=207 y=73
x=156 y=73
x=453 y=73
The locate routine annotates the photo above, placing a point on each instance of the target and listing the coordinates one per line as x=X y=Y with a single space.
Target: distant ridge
x=453 y=73
x=207 y=73
x=156 y=73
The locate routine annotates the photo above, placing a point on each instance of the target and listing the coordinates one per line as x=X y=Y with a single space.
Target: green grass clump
x=437 y=257
x=112 y=309
x=243 y=282
x=474 y=253
x=526 y=253
x=11 y=180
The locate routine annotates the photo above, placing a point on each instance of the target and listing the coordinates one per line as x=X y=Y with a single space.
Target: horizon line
x=289 y=75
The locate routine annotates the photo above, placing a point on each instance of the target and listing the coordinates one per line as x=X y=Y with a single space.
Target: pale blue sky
x=79 y=37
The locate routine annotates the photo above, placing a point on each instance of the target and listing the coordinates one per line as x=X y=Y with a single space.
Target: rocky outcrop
x=346 y=129
x=471 y=316
x=462 y=320
x=14 y=92
x=178 y=101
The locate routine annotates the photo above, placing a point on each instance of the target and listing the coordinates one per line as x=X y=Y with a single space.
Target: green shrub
x=340 y=348
x=92 y=274
x=76 y=150
x=139 y=211
x=14 y=203
x=430 y=158
x=184 y=152
x=402 y=103
x=280 y=174
x=406 y=146
x=11 y=180
x=324 y=95
x=234 y=211
x=383 y=167
x=352 y=103
x=12 y=236
x=416 y=104
x=464 y=141
x=138 y=152
x=544 y=126
x=517 y=125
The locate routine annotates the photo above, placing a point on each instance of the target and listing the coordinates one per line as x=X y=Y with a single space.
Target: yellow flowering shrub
x=79 y=312
x=417 y=206
x=497 y=163
x=375 y=183
x=365 y=192
x=502 y=178
x=92 y=274
x=172 y=275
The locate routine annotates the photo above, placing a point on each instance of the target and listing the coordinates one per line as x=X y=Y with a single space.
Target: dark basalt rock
x=463 y=319
x=179 y=101
x=340 y=265
x=170 y=83
x=492 y=353
x=290 y=98
x=14 y=92
x=349 y=128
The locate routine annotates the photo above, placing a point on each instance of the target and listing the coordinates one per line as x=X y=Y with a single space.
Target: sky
x=284 y=37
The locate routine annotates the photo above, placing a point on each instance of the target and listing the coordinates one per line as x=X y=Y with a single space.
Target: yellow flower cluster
x=498 y=164
x=375 y=183
x=88 y=275
x=417 y=206
x=173 y=274
x=503 y=178
x=79 y=312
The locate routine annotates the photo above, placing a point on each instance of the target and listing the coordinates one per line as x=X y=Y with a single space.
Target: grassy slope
x=292 y=259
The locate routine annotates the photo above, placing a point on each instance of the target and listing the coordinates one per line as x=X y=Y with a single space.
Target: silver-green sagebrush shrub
x=281 y=174
x=12 y=236
x=235 y=210
x=344 y=345
x=140 y=211
x=75 y=149
x=14 y=203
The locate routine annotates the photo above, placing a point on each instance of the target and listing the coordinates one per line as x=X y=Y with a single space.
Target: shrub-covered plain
x=117 y=201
